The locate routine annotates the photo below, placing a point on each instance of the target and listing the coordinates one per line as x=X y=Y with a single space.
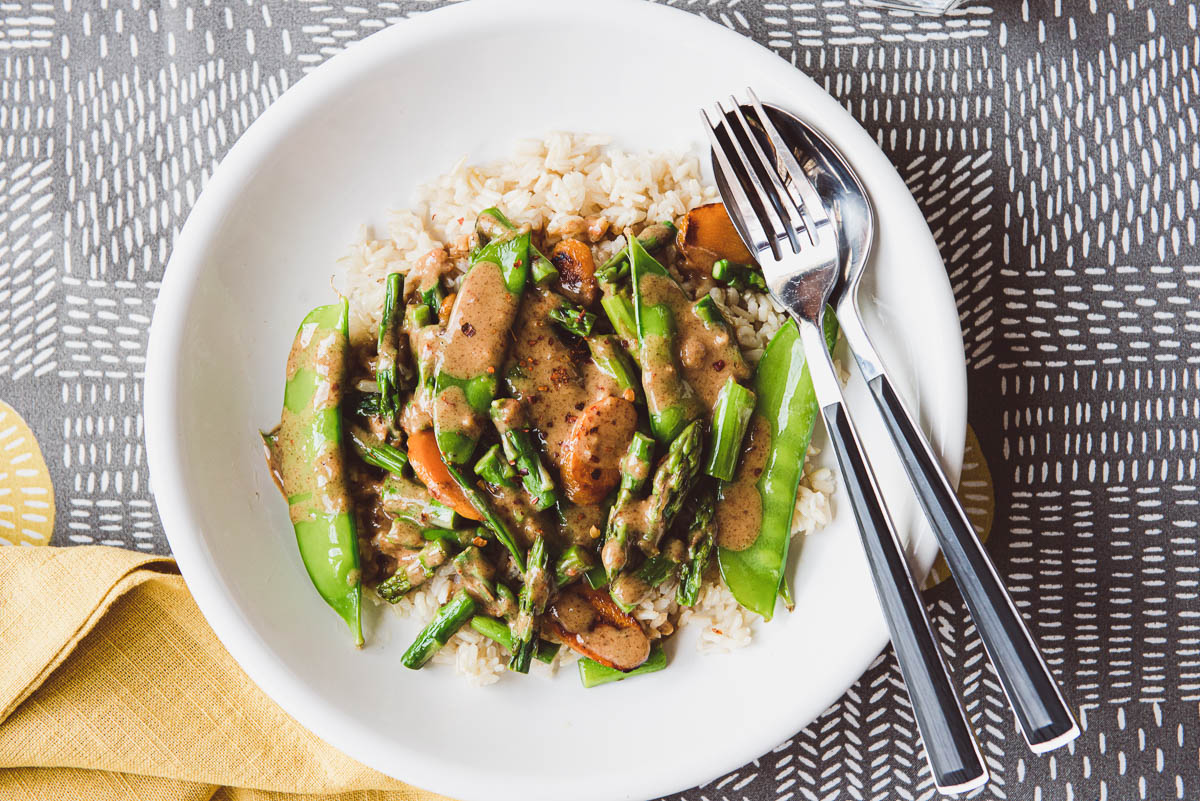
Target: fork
x=781 y=218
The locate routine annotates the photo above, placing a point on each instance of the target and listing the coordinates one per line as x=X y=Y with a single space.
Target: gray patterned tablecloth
x=1053 y=146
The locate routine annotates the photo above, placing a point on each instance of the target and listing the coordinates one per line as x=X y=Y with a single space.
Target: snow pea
x=788 y=406
x=307 y=450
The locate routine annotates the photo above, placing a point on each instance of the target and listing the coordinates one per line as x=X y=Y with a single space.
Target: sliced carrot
x=426 y=461
x=591 y=455
x=576 y=271
x=707 y=234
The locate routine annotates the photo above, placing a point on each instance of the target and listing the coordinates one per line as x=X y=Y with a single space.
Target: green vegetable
x=411 y=501
x=308 y=452
x=611 y=359
x=673 y=479
x=731 y=418
x=670 y=399
x=448 y=619
x=593 y=674
x=787 y=402
x=492 y=223
x=739 y=276
x=635 y=471
x=573 y=319
x=378 y=453
x=459 y=537
x=493 y=468
x=414 y=570
x=654 y=237
x=498 y=631
x=493 y=520
x=522 y=451
x=701 y=539
x=709 y=312
x=392 y=348
x=573 y=563
x=532 y=602
x=455 y=440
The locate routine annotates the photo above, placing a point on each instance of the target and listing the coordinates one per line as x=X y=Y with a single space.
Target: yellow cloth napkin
x=114 y=688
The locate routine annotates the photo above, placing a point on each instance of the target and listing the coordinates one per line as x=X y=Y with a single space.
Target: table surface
x=1055 y=149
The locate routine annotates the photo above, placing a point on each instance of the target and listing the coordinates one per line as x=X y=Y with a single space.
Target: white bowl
x=353 y=139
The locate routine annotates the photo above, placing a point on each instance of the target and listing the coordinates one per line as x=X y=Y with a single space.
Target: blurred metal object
x=927 y=7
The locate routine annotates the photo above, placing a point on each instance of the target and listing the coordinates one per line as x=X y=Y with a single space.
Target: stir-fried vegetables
x=556 y=439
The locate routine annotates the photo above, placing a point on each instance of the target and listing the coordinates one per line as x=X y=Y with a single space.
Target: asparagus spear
x=619 y=310
x=458 y=537
x=378 y=453
x=473 y=336
x=414 y=570
x=593 y=674
x=493 y=468
x=612 y=360
x=670 y=399
x=573 y=563
x=654 y=237
x=573 y=319
x=533 y=598
x=673 y=480
x=449 y=619
x=731 y=418
x=493 y=520
x=391 y=364
x=521 y=450
x=635 y=470
x=408 y=499
x=498 y=631
x=629 y=588
x=702 y=535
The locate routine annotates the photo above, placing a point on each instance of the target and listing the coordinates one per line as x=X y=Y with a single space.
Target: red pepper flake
x=518 y=262
x=491 y=370
x=719 y=365
x=579 y=406
x=570 y=418
x=468 y=329
x=596 y=474
x=460 y=220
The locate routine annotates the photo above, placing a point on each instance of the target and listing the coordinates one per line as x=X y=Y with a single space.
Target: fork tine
x=808 y=198
x=793 y=211
x=745 y=210
x=770 y=212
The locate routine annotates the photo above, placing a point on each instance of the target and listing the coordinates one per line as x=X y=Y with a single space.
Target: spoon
x=1043 y=716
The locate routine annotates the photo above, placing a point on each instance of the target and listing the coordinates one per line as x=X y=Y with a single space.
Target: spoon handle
x=950 y=745
x=1043 y=715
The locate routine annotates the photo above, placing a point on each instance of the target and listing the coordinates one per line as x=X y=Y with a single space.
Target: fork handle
x=1043 y=715
x=949 y=742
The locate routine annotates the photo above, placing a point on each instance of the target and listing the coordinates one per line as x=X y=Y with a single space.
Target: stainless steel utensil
x=1042 y=715
x=779 y=215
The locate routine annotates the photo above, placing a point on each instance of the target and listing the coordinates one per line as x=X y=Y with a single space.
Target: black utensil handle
x=1041 y=712
x=949 y=742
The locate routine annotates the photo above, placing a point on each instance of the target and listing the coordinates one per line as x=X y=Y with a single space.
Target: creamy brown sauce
x=739 y=504
x=556 y=384
x=582 y=525
x=596 y=628
x=311 y=465
x=708 y=355
x=526 y=523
